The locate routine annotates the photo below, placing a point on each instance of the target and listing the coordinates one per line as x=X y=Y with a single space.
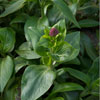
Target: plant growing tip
x=53 y=32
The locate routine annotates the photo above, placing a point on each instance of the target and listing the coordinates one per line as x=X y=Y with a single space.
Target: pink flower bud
x=53 y=32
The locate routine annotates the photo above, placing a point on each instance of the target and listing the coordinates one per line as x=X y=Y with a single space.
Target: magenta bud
x=53 y=32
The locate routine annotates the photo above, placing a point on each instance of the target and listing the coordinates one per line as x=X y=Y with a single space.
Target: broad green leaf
x=7 y=40
x=65 y=52
x=6 y=70
x=42 y=23
x=20 y=18
x=74 y=39
x=75 y=42
x=85 y=23
x=36 y=81
x=26 y=52
x=94 y=69
x=79 y=75
x=57 y=15
x=32 y=33
x=31 y=22
x=89 y=46
x=13 y=7
x=66 y=87
x=66 y=11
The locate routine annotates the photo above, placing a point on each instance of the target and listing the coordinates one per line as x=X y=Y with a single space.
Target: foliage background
x=77 y=79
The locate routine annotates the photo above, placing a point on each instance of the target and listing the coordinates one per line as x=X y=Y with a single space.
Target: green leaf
x=74 y=39
x=73 y=8
x=57 y=15
x=89 y=46
x=46 y=8
x=32 y=21
x=26 y=52
x=6 y=70
x=61 y=27
x=71 y=95
x=32 y=33
x=42 y=23
x=92 y=98
x=42 y=51
x=85 y=23
x=66 y=11
x=19 y=63
x=94 y=69
x=65 y=52
x=7 y=40
x=95 y=83
x=36 y=81
x=79 y=75
x=63 y=87
x=11 y=90
x=20 y=18
x=95 y=87
x=13 y=7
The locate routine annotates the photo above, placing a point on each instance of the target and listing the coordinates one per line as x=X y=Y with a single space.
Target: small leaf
x=66 y=11
x=13 y=7
x=6 y=70
x=36 y=81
